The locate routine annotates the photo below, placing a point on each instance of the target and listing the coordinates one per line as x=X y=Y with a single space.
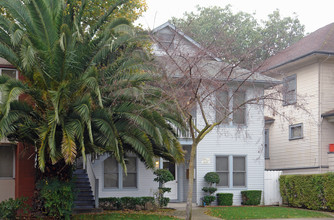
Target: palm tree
x=61 y=106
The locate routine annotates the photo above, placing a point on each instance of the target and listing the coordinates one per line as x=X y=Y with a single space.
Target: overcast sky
x=313 y=14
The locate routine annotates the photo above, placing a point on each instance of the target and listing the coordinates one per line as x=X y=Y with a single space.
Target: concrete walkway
x=199 y=213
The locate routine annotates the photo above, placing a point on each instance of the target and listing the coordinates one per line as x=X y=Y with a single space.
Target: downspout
x=320 y=110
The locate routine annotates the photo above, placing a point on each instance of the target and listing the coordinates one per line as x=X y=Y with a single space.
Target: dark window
x=266 y=143
x=222 y=168
x=113 y=173
x=222 y=106
x=239 y=171
x=290 y=90
x=231 y=168
x=296 y=131
x=239 y=108
x=6 y=161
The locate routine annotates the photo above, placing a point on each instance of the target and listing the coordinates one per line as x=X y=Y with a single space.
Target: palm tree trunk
x=191 y=181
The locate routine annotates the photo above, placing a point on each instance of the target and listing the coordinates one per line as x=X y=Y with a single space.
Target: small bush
x=164 y=201
x=114 y=203
x=211 y=178
x=225 y=199
x=163 y=176
x=9 y=208
x=58 y=197
x=207 y=200
x=251 y=197
x=209 y=190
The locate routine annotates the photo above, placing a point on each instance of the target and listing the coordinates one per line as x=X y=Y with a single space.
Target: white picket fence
x=272 y=195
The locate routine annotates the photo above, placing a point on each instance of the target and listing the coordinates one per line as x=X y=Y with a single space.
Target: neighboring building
x=17 y=173
x=301 y=145
x=233 y=149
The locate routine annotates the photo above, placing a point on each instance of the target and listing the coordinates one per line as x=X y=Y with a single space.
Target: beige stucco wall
x=7 y=189
x=285 y=153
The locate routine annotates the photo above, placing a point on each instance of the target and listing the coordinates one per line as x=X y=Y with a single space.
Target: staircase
x=84 y=202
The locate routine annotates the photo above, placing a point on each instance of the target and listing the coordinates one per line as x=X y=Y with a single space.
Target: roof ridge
x=328 y=36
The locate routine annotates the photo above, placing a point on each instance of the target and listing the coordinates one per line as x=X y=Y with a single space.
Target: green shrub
x=209 y=190
x=251 y=197
x=114 y=203
x=164 y=201
x=211 y=178
x=9 y=208
x=163 y=176
x=225 y=199
x=308 y=191
x=207 y=200
x=58 y=197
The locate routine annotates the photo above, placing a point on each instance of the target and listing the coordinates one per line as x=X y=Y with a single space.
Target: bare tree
x=195 y=79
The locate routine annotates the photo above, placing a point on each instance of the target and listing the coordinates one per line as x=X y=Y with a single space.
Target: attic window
x=166 y=40
x=290 y=90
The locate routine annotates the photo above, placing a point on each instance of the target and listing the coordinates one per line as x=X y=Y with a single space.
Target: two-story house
x=298 y=139
x=234 y=149
x=17 y=172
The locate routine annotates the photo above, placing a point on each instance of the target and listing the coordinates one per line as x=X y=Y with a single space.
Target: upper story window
x=239 y=108
x=114 y=176
x=222 y=106
x=6 y=162
x=290 y=90
x=296 y=131
x=235 y=112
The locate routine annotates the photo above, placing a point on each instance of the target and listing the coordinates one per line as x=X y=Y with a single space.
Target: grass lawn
x=123 y=215
x=258 y=212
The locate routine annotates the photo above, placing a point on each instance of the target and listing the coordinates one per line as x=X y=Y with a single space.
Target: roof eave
x=299 y=58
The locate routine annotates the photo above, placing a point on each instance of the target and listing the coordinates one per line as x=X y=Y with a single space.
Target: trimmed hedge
x=314 y=191
x=225 y=199
x=114 y=203
x=251 y=197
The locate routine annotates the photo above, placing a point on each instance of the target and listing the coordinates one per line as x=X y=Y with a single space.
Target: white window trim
x=294 y=126
x=230 y=93
x=120 y=178
x=17 y=72
x=230 y=171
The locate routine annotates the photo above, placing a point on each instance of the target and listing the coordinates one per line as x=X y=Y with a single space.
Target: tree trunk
x=191 y=181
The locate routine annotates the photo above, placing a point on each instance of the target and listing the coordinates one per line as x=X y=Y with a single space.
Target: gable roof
x=212 y=67
x=189 y=39
x=320 y=41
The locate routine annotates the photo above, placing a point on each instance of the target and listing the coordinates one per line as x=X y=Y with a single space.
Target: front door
x=172 y=184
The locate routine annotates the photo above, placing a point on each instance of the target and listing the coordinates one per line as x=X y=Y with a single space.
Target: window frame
x=288 y=90
x=230 y=120
x=120 y=176
x=12 y=147
x=4 y=68
x=266 y=144
x=295 y=126
x=231 y=171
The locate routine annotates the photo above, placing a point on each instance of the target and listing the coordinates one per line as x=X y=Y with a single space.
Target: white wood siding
x=302 y=152
x=146 y=186
x=230 y=140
